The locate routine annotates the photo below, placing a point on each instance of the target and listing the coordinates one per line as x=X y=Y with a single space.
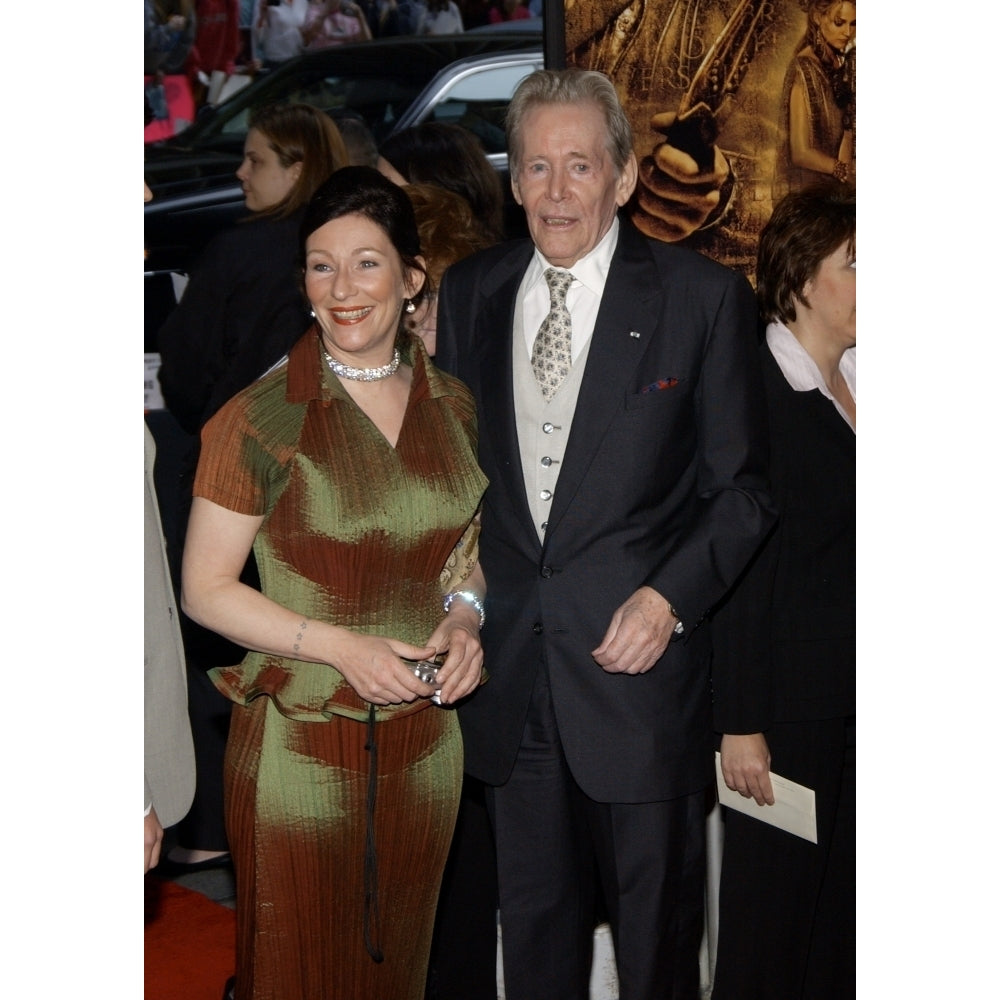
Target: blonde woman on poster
x=821 y=98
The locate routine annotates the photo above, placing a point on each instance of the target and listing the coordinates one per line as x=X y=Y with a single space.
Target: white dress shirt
x=583 y=299
x=802 y=373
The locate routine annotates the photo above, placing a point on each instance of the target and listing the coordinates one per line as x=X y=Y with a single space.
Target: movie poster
x=732 y=102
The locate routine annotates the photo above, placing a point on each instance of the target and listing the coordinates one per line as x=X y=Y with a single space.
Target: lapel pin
x=634 y=334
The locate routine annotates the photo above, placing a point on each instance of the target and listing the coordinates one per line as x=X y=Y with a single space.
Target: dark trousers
x=555 y=845
x=787 y=906
x=464 y=949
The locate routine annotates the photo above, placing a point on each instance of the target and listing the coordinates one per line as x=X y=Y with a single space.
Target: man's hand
x=638 y=635
x=676 y=196
x=153 y=837
x=746 y=766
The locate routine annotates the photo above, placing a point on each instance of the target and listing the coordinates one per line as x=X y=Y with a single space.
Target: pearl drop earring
x=410 y=307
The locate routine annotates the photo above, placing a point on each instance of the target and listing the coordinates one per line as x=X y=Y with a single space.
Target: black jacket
x=784 y=640
x=242 y=310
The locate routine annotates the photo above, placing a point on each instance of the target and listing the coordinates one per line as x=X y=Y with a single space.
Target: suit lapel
x=496 y=363
x=632 y=303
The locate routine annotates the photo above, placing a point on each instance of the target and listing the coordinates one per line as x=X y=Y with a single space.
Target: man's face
x=566 y=181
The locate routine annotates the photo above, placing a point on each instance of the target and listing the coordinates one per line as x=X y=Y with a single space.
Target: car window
x=478 y=102
x=379 y=100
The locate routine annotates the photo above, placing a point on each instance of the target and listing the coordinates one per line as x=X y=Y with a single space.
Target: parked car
x=392 y=83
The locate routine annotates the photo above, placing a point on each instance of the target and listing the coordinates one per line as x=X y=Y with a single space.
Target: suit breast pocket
x=664 y=391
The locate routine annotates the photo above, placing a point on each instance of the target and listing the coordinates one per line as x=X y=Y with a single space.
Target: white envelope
x=794 y=808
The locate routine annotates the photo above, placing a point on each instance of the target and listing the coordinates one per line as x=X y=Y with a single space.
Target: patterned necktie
x=550 y=355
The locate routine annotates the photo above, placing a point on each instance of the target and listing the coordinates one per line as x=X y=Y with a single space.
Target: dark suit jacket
x=785 y=637
x=242 y=310
x=663 y=487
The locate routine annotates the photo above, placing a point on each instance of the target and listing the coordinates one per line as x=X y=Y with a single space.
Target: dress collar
x=307 y=371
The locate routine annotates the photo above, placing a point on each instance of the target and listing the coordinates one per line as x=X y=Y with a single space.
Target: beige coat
x=169 y=759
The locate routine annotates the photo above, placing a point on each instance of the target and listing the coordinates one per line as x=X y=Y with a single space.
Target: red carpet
x=190 y=943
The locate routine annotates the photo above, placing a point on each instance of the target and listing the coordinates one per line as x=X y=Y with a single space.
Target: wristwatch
x=679 y=627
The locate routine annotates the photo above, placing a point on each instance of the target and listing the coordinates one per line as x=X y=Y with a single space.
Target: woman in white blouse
x=783 y=673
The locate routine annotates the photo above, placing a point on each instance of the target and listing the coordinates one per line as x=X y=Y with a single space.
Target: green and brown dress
x=356 y=533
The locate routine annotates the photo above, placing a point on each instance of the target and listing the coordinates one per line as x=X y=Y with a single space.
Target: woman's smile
x=348 y=317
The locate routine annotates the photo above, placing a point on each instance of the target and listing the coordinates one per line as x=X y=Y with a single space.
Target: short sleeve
x=246 y=449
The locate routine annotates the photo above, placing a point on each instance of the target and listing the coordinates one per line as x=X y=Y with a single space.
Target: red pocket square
x=660 y=383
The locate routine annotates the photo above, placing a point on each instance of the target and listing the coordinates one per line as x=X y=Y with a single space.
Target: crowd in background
x=208 y=41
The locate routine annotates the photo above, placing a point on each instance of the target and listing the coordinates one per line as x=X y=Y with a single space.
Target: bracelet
x=468 y=596
x=840 y=171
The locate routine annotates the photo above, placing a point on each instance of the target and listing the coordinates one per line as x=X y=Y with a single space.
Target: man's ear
x=627 y=180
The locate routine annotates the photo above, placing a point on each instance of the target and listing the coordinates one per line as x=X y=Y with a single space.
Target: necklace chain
x=363 y=374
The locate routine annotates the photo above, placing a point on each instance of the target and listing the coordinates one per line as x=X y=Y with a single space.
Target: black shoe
x=172 y=869
x=229 y=993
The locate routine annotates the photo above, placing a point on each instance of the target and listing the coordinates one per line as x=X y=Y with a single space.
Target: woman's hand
x=746 y=766
x=374 y=667
x=458 y=636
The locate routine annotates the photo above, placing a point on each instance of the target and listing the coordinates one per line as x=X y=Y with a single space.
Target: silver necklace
x=363 y=374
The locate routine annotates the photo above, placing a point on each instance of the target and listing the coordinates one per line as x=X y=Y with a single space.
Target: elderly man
x=622 y=431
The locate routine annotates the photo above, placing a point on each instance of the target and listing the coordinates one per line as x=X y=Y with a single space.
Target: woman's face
x=265 y=181
x=828 y=299
x=838 y=24
x=356 y=284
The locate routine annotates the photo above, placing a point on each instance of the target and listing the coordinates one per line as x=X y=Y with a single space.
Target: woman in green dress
x=350 y=470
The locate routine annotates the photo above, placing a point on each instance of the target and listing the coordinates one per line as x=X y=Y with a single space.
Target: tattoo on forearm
x=298 y=638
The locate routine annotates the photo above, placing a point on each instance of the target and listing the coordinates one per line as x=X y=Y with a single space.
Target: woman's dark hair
x=804 y=229
x=300 y=133
x=364 y=191
x=451 y=157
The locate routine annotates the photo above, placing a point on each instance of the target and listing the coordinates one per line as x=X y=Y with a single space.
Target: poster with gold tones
x=733 y=103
